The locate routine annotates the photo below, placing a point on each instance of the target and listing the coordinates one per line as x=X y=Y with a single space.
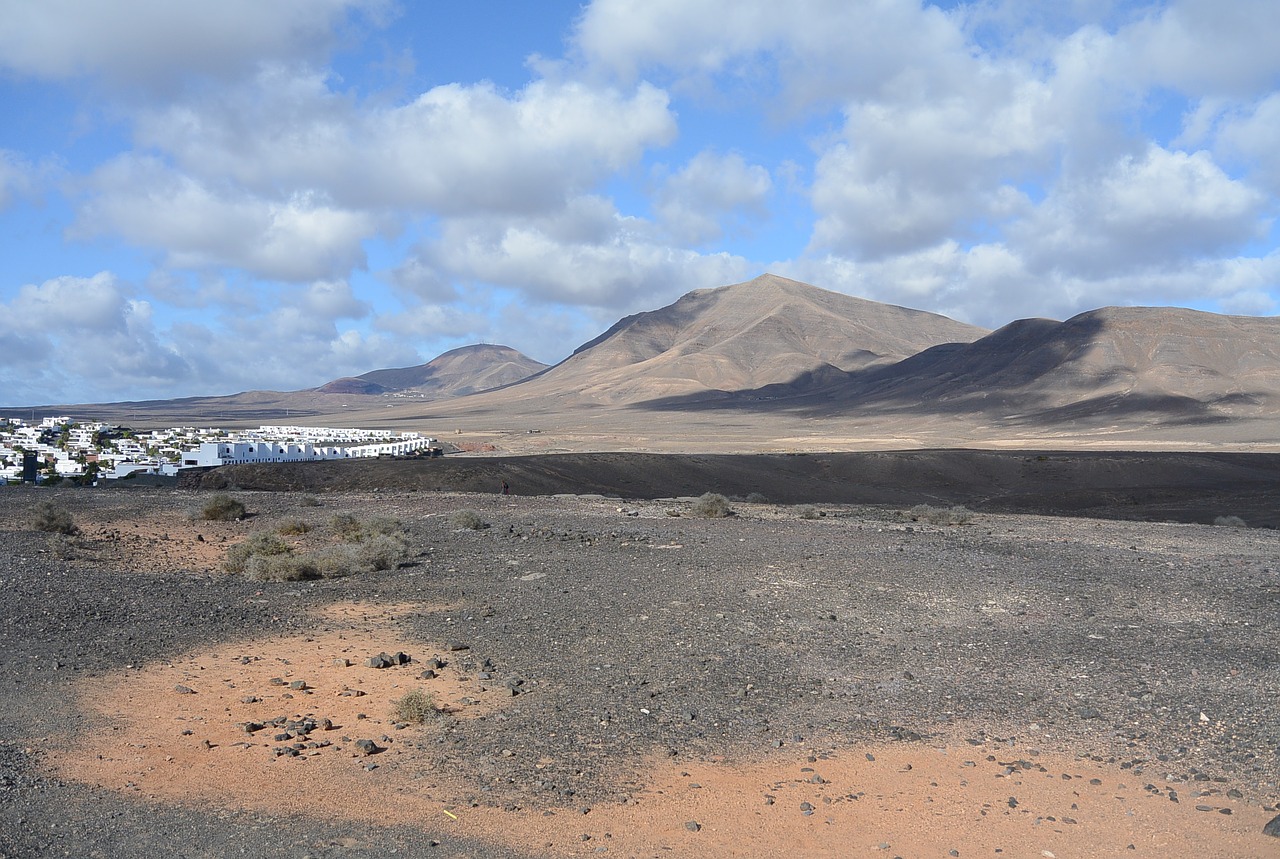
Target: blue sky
x=209 y=198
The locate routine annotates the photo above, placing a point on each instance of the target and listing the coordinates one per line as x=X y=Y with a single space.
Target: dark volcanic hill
x=766 y=331
x=1104 y=363
x=457 y=372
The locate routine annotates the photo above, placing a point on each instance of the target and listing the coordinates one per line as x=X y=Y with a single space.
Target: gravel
x=620 y=628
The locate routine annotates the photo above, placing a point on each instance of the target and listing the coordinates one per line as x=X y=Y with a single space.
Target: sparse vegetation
x=469 y=519
x=712 y=505
x=957 y=515
x=292 y=528
x=756 y=498
x=281 y=568
x=808 y=511
x=1230 y=522
x=222 y=508
x=62 y=546
x=309 y=501
x=52 y=518
x=364 y=545
x=415 y=706
x=257 y=544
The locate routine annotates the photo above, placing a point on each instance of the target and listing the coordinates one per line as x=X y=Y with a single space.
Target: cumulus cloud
x=829 y=50
x=1160 y=208
x=92 y=328
x=587 y=254
x=694 y=202
x=302 y=237
x=454 y=149
x=154 y=43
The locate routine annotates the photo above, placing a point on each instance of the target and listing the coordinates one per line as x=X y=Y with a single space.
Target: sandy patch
x=175 y=732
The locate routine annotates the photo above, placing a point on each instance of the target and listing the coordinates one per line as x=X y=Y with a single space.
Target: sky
x=206 y=198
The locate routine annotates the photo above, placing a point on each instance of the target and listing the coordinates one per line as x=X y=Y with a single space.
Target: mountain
x=766 y=331
x=457 y=372
x=1183 y=364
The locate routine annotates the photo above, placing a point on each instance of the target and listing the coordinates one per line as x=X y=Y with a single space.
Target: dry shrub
x=1230 y=522
x=257 y=544
x=756 y=498
x=808 y=511
x=957 y=515
x=281 y=568
x=52 y=518
x=292 y=528
x=414 y=706
x=222 y=508
x=711 y=505
x=469 y=520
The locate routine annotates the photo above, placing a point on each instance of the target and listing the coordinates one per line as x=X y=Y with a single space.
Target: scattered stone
x=276 y=681
x=250 y=727
x=427 y=675
x=456 y=646
x=298 y=685
x=184 y=690
x=341 y=663
x=692 y=825
x=250 y=699
x=367 y=747
x=1273 y=827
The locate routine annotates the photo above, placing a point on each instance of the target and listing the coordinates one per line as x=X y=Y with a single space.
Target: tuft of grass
x=711 y=505
x=808 y=511
x=52 y=518
x=62 y=546
x=414 y=706
x=957 y=515
x=468 y=519
x=281 y=568
x=257 y=544
x=756 y=498
x=1230 y=522
x=292 y=528
x=222 y=508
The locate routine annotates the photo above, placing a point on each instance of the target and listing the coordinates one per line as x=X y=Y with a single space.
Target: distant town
x=60 y=448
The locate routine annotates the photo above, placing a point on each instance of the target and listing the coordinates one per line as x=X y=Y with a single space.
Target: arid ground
x=626 y=678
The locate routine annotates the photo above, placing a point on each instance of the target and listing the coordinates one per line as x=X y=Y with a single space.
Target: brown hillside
x=766 y=331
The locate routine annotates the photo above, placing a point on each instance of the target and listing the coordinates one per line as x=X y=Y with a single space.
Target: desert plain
x=620 y=676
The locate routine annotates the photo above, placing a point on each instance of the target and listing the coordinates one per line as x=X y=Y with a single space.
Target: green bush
x=222 y=508
x=52 y=518
x=414 y=706
x=257 y=544
x=712 y=505
x=469 y=519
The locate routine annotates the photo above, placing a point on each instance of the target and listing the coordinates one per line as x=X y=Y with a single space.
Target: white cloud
x=1162 y=208
x=694 y=202
x=586 y=255
x=154 y=44
x=454 y=149
x=828 y=49
x=1204 y=47
x=299 y=238
x=93 y=330
x=1251 y=134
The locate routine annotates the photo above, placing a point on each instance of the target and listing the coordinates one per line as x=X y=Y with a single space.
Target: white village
x=60 y=448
